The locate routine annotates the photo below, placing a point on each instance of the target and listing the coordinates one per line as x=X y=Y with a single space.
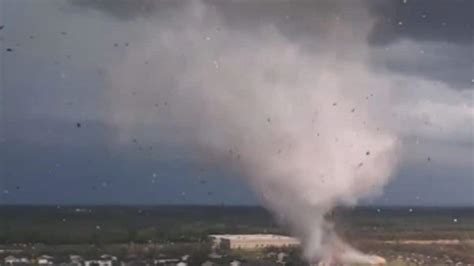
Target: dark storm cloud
x=430 y=20
x=40 y=112
x=448 y=63
x=422 y=20
x=46 y=161
x=300 y=20
x=441 y=36
x=121 y=9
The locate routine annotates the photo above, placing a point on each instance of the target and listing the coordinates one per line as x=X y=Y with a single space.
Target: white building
x=166 y=261
x=45 y=260
x=12 y=260
x=255 y=241
x=98 y=263
x=76 y=260
x=235 y=263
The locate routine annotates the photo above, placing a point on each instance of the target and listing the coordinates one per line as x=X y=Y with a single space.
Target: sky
x=78 y=125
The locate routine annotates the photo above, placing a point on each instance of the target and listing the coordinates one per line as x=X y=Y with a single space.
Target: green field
x=175 y=230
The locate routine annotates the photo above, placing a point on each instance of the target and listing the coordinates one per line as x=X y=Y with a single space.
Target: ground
x=404 y=236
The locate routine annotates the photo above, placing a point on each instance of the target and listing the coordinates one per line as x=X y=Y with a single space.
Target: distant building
x=45 y=260
x=108 y=257
x=76 y=260
x=166 y=261
x=99 y=262
x=256 y=241
x=12 y=260
x=235 y=263
x=208 y=263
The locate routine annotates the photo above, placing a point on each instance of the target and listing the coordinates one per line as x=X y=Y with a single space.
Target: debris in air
x=367 y=153
x=353 y=110
x=78 y=125
x=9 y=49
x=1 y=27
x=428 y=159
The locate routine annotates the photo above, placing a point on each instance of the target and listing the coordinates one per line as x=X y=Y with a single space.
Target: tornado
x=302 y=122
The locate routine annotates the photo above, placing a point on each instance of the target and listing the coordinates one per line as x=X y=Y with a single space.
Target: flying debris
x=78 y=125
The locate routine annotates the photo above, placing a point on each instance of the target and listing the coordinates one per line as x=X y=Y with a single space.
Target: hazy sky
x=61 y=145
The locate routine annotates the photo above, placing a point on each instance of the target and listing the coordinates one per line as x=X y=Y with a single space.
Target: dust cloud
x=302 y=121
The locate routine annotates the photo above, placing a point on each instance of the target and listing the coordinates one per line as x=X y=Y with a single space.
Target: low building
x=166 y=261
x=254 y=241
x=76 y=260
x=208 y=263
x=45 y=260
x=235 y=263
x=12 y=260
x=99 y=262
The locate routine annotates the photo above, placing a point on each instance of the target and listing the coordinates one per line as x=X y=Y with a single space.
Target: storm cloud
x=65 y=50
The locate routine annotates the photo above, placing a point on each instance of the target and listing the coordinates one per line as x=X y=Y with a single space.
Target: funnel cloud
x=297 y=123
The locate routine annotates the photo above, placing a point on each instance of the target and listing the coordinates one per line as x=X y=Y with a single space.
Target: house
x=214 y=255
x=45 y=260
x=12 y=260
x=98 y=263
x=208 y=263
x=235 y=263
x=76 y=260
x=166 y=261
x=108 y=257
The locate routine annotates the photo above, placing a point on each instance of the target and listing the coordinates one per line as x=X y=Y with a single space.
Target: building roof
x=254 y=237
